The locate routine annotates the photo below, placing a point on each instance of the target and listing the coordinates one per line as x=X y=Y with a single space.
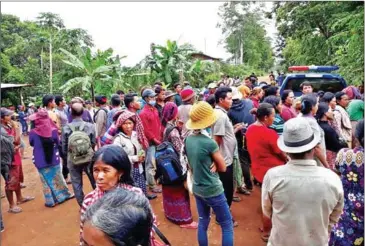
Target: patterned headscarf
x=352 y=92
x=125 y=115
x=169 y=112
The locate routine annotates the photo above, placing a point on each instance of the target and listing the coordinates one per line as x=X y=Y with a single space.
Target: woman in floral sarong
x=349 y=230
x=176 y=200
x=44 y=140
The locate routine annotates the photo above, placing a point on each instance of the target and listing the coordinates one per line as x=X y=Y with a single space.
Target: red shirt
x=287 y=112
x=263 y=150
x=151 y=123
x=17 y=161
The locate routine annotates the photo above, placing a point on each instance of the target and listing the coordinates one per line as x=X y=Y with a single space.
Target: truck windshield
x=319 y=84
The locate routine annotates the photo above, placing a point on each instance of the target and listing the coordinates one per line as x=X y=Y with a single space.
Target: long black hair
x=308 y=102
x=116 y=157
x=48 y=148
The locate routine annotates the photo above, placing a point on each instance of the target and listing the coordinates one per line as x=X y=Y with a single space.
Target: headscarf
x=125 y=115
x=169 y=112
x=352 y=92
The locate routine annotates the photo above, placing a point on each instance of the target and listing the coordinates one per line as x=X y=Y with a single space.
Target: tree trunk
x=42 y=60
x=92 y=94
x=50 y=66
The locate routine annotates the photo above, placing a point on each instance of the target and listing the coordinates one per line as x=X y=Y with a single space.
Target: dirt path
x=59 y=226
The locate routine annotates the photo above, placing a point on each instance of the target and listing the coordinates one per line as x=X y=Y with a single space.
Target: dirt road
x=59 y=226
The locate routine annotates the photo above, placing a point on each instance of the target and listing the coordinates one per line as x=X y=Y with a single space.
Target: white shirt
x=303 y=201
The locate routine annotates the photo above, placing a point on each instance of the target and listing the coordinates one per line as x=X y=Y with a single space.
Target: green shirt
x=199 y=150
x=356 y=110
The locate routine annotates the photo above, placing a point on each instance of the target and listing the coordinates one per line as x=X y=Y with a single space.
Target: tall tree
x=244 y=34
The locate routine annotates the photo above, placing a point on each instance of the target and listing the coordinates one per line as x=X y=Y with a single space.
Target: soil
x=38 y=225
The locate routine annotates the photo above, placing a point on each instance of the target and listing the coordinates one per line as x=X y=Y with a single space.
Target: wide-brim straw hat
x=298 y=136
x=201 y=116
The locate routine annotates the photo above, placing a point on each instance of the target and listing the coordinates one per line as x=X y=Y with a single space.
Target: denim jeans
x=151 y=166
x=1 y=222
x=24 y=126
x=223 y=216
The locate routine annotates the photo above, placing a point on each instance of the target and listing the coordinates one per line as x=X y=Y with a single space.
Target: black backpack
x=168 y=166
x=97 y=111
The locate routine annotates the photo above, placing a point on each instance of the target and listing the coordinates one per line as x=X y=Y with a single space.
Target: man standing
x=78 y=124
x=63 y=119
x=121 y=96
x=152 y=126
x=115 y=103
x=160 y=100
x=188 y=99
x=100 y=118
x=239 y=114
x=15 y=174
x=177 y=97
x=90 y=108
x=223 y=134
x=303 y=201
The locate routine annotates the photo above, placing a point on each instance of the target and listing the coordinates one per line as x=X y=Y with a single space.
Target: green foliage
x=323 y=33
x=244 y=34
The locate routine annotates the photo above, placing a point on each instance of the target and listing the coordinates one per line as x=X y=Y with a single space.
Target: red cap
x=187 y=94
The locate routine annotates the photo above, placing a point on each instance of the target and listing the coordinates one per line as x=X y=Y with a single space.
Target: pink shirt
x=288 y=113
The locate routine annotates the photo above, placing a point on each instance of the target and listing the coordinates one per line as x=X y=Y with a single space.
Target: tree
x=95 y=69
x=244 y=34
x=169 y=61
x=322 y=33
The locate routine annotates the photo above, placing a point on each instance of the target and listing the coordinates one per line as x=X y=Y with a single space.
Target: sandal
x=15 y=210
x=265 y=238
x=192 y=225
x=23 y=186
x=156 y=190
x=26 y=199
x=236 y=199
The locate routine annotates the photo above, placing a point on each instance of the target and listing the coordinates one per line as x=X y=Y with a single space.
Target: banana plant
x=96 y=69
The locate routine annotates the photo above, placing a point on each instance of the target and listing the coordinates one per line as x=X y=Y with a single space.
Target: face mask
x=152 y=103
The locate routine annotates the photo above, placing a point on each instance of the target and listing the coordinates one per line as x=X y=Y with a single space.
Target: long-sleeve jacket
x=100 y=121
x=151 y=124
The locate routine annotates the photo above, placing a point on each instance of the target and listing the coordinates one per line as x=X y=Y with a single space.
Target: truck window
x=319 y=84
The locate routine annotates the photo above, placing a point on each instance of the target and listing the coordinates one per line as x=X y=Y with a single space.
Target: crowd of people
x=304 y=154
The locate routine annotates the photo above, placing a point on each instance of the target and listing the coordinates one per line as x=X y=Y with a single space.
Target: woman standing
x=256 y=96
x=264 y=151
x=278 y=124
x=176 y=200
x=288 y=112
x=208 y=190
x=333 y=143
x=111 y=169
x=350 y=163
x=44 y=140
x=128 y=139
x=309 y=107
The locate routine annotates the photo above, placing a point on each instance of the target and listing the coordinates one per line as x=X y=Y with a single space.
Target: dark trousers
x=245 y=165
x=65 y=170
x=77 y=182
x=227 y=181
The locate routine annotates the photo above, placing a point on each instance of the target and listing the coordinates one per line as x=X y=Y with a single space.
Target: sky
x=130 y=27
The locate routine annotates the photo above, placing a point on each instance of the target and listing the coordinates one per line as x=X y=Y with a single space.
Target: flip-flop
x=265 y=238
x=23 y=186
x=236 y=199
x=26 y=199
x=15 y=210
x=192 y=225
x=71 y=197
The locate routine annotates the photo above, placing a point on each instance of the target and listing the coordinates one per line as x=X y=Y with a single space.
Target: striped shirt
x=278 y=124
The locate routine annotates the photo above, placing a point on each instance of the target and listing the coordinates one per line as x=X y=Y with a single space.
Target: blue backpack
x=168 y=166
